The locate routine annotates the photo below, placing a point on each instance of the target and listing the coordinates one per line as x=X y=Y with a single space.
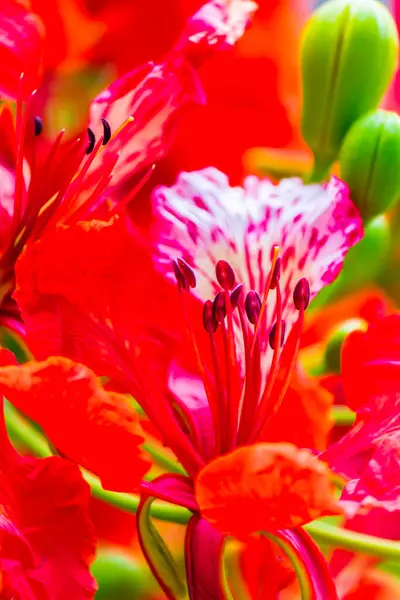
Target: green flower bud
x=119 y=576
x=333 y=350
x=370 y=162
x=349 y=55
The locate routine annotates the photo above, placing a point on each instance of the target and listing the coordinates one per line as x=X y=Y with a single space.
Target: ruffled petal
x=202 y=219
x=377 y=423
x=21 y=49
x=371 y=362
x=216 y=25
x=46 y=537
x=264 y=487
x=95 y=428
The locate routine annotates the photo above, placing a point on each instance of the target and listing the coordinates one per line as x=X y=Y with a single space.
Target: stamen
x=273 y=335
x=301 y=294
x=235 y=295
x=252 y=306
x=38 y=124
x=276 y=274
x=106 y=131
x=219 y=307
x=92 y=141
x=187 y=272
x=180 y=280
x=225 y=275
x=209 y=321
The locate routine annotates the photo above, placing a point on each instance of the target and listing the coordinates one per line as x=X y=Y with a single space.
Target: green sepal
x=168 y=573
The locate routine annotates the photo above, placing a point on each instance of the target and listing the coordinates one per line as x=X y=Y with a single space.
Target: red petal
x=46 y=537
x=21 y=49
x=270 y=486
x=96 y=429
x=371 y=362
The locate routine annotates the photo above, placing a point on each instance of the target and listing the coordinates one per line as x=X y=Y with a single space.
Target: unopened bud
x=349 y=55
x=370 y=162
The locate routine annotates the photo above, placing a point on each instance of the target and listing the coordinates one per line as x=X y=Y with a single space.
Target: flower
x=131 y=126
x=87 y=424
x=46 y=537
x=221 y=393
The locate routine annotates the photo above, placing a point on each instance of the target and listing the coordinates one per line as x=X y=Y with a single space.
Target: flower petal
x=202 y=220
x=264 y=487
x=217 y=25
x=21 y=49
x=46 y=537
x=95 y=428
x=371 y=362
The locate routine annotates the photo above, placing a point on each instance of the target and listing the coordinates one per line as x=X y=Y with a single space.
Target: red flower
x=93 y=427
x=46 y=537
x=90 y=176
x=236 y=489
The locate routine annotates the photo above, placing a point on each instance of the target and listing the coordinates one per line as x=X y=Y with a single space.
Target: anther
x=272 y=334
x=301 y=294
x=219 y=307
x=38 y=125
x=92 y=141
x=180 y=280
x=235 y=295
x=252 y=306
x=225 y=275
x=187 y=272
x=106 y=131
x=209 y=321
x=276 y=274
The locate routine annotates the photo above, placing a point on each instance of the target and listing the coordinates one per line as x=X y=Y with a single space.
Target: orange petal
x=97 y=429
x=264 y=487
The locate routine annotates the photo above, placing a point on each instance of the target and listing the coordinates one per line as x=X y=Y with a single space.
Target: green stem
x=320 y=171
x=343 y=415
x=163 y=460
x=351 y=540
x=24 y=433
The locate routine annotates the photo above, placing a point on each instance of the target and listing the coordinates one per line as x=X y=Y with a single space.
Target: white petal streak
x=203 y=219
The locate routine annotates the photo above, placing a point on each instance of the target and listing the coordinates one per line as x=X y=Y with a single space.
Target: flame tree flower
x=221 y=403
x=131 y=126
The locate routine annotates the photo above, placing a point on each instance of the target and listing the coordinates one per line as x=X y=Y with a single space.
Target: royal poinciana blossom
x=47 y=540
x=227 y=385
x=130 y=128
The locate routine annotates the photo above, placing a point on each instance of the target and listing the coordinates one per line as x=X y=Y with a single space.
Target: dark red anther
x=180 y=280
x=106 y=131
x=252 y=306
x=209 y=321
x=92 y=141
x=235 y=295
x=187 y=272
x=272 y=334
x=225 y=275
x=301 y=294
x=219 y=307
x=276 y=274
x=38 y=126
